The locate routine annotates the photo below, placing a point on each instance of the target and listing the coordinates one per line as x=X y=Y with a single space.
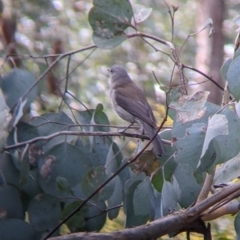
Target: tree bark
x=209 y=56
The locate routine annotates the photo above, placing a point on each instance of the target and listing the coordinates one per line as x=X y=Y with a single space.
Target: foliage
x=67 y=166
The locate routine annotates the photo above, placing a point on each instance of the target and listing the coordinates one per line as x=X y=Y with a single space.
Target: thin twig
x=53 y=64
x=205 y=75
x=76 y=133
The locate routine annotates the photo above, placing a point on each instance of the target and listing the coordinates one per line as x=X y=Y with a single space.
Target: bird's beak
x=109 y=70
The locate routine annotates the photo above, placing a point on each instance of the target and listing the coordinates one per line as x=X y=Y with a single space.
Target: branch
x=205 y=75
x=183 y=88
x=51 y=66
x=75 y=133
x=161 y=226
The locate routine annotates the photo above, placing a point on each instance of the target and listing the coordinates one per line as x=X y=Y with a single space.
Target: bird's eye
x=110 y=70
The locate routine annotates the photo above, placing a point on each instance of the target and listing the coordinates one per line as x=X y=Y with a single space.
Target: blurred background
x=33 y=29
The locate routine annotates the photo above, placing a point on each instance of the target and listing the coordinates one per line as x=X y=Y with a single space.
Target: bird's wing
x=138 y=107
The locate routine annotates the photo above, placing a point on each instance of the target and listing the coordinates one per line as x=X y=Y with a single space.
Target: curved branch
x=183 y=88
x=159 y=227
x=205 y=75
x=51 y=66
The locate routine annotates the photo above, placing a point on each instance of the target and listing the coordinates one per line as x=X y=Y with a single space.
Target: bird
x=131 y=105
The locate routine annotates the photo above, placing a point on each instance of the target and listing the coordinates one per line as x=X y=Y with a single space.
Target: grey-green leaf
x=233 y=78
x=108 y=20
x=22 y=230
x=15 y=84
x=217 y=125
x=44 y=212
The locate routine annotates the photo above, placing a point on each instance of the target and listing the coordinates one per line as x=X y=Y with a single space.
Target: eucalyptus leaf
x=51 y=123
x=185 y=185
x=5 y=118
x=189 y=108
x=116 y=198
x=141 y=199
x=108 y=20
x=237 y=225
x=233 y=78
x=217 y=125
x=93 y=180
x=22 y=230
x=169 y=199
x=15 y=84
x=131 y=218
x=44 y=212
x=225 y=67
x=63 y=160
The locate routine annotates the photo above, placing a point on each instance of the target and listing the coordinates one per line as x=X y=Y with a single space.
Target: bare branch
x=76 y=133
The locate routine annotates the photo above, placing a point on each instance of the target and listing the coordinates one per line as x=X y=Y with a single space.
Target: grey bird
x=131 y=105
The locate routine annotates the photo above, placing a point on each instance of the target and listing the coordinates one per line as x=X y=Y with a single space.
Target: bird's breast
x=119 y=110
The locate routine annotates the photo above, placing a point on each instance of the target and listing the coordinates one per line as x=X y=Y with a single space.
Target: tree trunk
x=209 y=56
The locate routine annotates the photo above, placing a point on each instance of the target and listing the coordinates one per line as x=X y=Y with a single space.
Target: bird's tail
x=157 y=142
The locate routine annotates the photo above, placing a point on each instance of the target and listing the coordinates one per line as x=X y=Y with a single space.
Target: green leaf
x=17 y=113
x=93 y=180
x=169 y=168
x=209 y=158
x=44 y=212
x=89 y=218
x=225 y=67
x=189 y=108
x=99 y=146
x=158 y=180
x=168 y=164
x=217 y=125
x=228 y=171
x=63 y=185
x=31 y=188
x=185 y=185
x=99 y=117
x=9 y=173
x=95 y=217
x=207 y=24
x=131 y=219
x=189 y=148
x=109 y=19
x=237 y=225
x=141 y=199
x=233 y=78
x=110 y=43
x=141 y=13
x=50 y=123
x=15 y=84
x=78 y=219
x=10 y=202
x=22 y=230
x=5 y=118
x=227 y=146
x=27 y=155
x=169 y=199
x=64 y=160
x=237 y=53
x=85 y=118
x=114 y=158
x=115 y=199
